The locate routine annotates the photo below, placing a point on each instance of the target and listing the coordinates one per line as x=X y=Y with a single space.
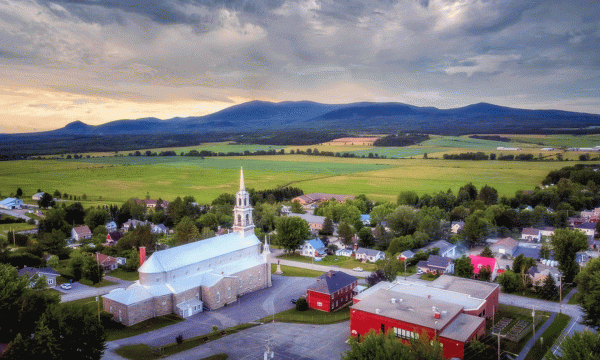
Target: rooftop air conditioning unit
x=393 y=300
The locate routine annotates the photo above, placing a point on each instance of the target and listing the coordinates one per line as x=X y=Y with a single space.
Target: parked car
x=293 y=301
x=358 y=269
x=66 y=286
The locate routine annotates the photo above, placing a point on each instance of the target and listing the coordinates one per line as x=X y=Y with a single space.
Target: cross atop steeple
x=242 y=187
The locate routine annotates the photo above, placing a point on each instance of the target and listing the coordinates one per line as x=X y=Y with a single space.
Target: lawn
x=297 y=272
x=5 y=228
x=534 y=295
x=331 y=260
x=516 y=313
x=120 y=332
x=429 y=277
x=310 y=316
x=85 y=301
x=574 y=300
x=102 y=283
x=145 y=352
x=558 y=141
x=125 y=275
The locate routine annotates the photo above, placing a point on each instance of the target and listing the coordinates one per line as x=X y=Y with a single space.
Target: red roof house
x=108 y=262
x=480 y=261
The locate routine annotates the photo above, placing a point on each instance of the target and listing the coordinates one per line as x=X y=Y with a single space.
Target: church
x=204 y=274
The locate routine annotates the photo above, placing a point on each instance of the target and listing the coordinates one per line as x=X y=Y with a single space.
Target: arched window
x=240 y=202
x=239 y=219
x=244 y=201
x=218 y=297
x=228 y=292
x=247 y=219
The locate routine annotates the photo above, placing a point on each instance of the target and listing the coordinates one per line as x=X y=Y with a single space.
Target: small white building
x=11 y=204
x=369 y=255
x=111 y=226
x=312 y=248
x=81 y=232
x=344 y=252
x=37 y=196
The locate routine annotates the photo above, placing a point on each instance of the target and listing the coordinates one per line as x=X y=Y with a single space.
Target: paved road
x=251 y=307
x=80 y=291
x=15 y=213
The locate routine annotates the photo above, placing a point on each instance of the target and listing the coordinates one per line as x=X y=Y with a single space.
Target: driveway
x=249 y=308
x=79 y=291
x=16 y=213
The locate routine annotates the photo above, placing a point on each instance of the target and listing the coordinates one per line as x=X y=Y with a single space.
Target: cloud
x=482 y=64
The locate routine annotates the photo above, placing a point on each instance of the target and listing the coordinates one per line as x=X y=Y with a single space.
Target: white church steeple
x=242 y=212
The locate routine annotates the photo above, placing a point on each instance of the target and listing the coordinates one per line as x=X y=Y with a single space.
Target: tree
x=301 y=304
x=345 y=233
x=74 y=214
x=400 y=244
x=487 y=253
x=485 y=273
x=474 y=229
x=388 y=268
x=328 y=227
x=376 y=345
x=408 y=198
x=54 y=242
x=588 y=284
x=77 y=267
x=463 y=267
x=296 y=208
x=19 y=192
x=54 y=220
x=549 y=289
x=403 y=221
x=53 y=261
x=566 y=244
x=583 y=345
x=365 y=238
x=292 y=232
x=510 y=281
x=46 y=201
x=545 y=251
x=488 y=195
x=185 y=232
x=92 y=270
x=95 y=218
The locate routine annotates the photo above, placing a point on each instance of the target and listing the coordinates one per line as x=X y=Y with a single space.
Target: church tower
x=242 y=212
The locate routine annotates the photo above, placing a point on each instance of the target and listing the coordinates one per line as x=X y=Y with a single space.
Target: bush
x=301 y=304
x=179 y=339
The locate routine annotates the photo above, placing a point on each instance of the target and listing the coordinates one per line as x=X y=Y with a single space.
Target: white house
x=344 y=252
x=369 y=255
x=159 y=229
x=81 y=232
x=547 y=231
x=38 y=196
x=446 y=249
x=312 y=248
x=531 y=234
x=587 y=228
x=11 y=203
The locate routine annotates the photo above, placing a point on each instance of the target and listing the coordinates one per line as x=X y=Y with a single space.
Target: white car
x=357 y=269
x=66 y=286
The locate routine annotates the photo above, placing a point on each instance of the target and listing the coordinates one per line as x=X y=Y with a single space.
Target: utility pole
x=533 y=316
x=498 y=335
x=560 y=292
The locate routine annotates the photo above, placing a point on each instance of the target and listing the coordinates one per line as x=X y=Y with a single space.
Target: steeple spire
x=242 y=187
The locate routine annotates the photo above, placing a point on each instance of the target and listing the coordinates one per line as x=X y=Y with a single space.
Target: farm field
x=558 y=141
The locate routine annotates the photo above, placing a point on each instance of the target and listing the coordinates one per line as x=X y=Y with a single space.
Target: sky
x=102 y=60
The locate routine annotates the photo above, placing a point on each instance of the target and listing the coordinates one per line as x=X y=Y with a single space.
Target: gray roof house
x=48 y=272
x=446 y=249
x=369 y=254
x=437 y=265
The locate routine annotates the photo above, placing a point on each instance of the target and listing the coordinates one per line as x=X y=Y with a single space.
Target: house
x=457 y=226
x=479 y=261
x=437 y=265
x=505 y=246
x=48 y=272
x=108 y=263
x=527 y=251
x=332 y=291
x=80 y=233
x=320 y=197
x=37 y=196
x=369 y=255
x=446 y=249
x=405 y=255
x=132 y=224
x=366 y=219
x=285 y=210
x=159 y=229
x=344 y=252
x=547 y=231
x=313 y=248
x=314 y=222
x=538 y=277
x=594 y=244
x=209 y=273
x=576 y=221
x=11 y=204
x=111 y=226
x=451 y=309
x=531 y=234
x=587 y=228
x=151 y=204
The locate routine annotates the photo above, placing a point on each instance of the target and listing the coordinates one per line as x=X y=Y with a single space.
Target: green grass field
x=558 y=141
x=341 y=261
x=310 y=316
x=296 y=272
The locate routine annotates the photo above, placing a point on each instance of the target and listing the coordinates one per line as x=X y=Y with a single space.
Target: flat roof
x=409 y=308
x=424 y=290
x=475 y=288
x=462 y=327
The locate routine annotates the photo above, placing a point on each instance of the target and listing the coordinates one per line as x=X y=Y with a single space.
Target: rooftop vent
x=393 y=300
x=400 y=300
x=377 y=311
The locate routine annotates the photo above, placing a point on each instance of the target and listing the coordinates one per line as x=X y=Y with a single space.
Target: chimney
x=436 y=315
x=142 y=255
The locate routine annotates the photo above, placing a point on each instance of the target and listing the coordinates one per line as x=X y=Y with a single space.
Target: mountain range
x=367 y=116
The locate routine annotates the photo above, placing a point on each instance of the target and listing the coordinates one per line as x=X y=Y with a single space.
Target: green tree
x=485 y=273
x=583 y=345
x=207 y=234
x=46 y=201
x=400 y=244
x=487 y=252
x=292 y=232
x=296 y=208
x=545 y=251
x=510 y=281
x=474 y=229
x=185 y=232
x=345 y=233
x=19 y=192
x=389 y=268
x=76 y=265
x=381 y=212
x=74 y=214
x=488 y=195
x=95 y=218
x=463 y=267
x=54 y=242
x=566 y=244
x=588 y=284
x=53 y=261
x=54 y=220
x=328 y=227
x=386 y=346
x=549 y=289
x=92 y=270
x=408 y=198
x=301 y=304
x=403 y=221
x=366 y=238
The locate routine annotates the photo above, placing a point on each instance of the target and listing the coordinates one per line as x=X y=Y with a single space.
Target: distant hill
x=261 y=121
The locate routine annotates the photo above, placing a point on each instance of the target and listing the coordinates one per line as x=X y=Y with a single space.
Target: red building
x=449 y=309
x=332 y=291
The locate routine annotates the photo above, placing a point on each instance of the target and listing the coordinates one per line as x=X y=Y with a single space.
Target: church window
x=259 y=276
x=244 y=201
x=240 y=202
x=218 y=297
x=240 y=283
x=250 y=279
x=228 y=292
x=247 y=219
x=239 y=219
